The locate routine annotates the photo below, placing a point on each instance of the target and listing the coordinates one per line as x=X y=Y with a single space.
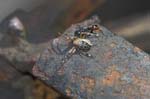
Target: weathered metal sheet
x=117 y=70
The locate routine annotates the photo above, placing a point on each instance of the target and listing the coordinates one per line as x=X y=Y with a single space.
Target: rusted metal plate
x=117 y=70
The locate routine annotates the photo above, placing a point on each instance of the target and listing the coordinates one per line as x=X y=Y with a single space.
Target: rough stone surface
x=117 y=70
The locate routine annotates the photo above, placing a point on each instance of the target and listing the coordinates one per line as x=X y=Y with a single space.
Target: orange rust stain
x=112 y=76
x=88 y=84
x=111 y=79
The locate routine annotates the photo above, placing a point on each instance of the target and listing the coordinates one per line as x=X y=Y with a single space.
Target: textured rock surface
x=117 y=70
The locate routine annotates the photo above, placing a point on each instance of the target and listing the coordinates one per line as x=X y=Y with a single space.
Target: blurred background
x=41 y=20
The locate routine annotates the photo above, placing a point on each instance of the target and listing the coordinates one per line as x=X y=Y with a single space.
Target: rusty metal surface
x=118 y=70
